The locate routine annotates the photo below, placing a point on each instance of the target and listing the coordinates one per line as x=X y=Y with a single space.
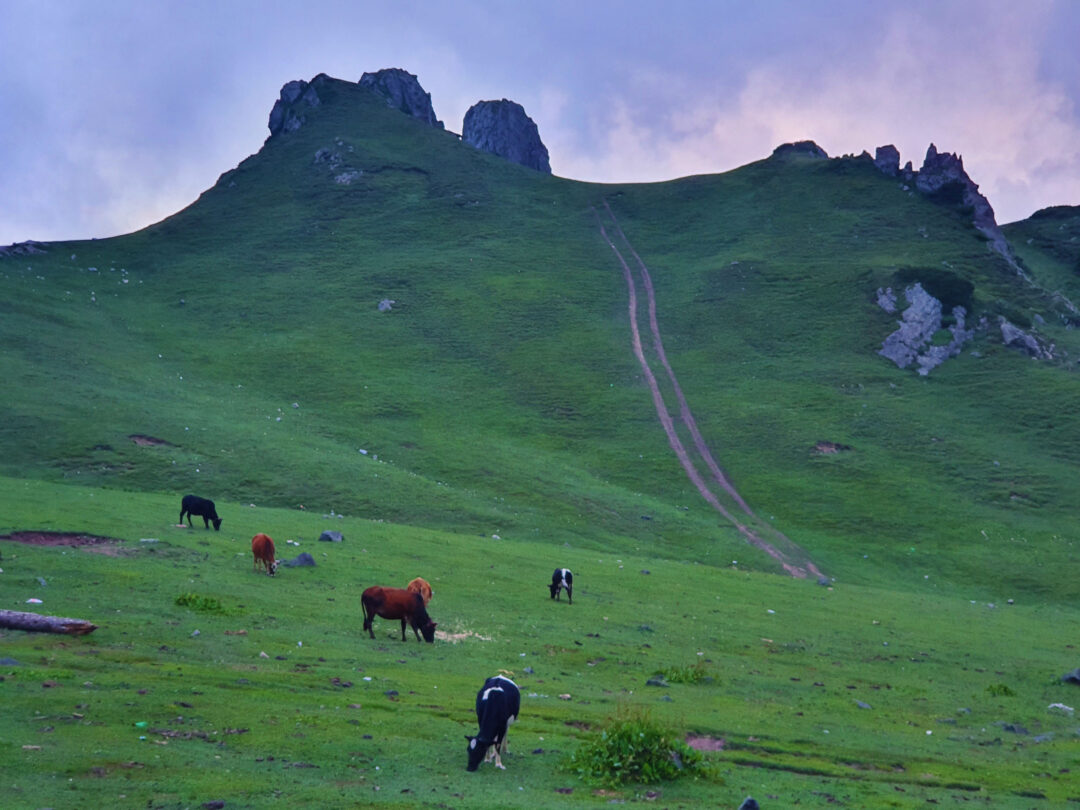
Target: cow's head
x=428 y=631
x=554 y=588
x=476 y=751
x=217 y=524
x=272 y=568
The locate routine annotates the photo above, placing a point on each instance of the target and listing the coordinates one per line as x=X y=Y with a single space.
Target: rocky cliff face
x=503 y=128
x=402 y=91
x=287 y=113
x=800 y=149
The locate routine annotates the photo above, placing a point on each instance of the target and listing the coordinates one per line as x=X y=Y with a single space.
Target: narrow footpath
x=793 y=559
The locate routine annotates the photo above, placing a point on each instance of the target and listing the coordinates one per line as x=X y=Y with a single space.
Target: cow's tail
x=369 y=614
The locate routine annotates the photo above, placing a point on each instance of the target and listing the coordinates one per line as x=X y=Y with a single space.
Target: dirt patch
x=454 y=638
x=105 y=545
x=143 y=440
x=702 y=743
x=826 y=448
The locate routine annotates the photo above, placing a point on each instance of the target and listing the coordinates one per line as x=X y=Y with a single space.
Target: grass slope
x=499 y=397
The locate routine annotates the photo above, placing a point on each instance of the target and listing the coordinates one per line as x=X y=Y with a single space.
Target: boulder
x=331 y=537
x=1017 y=338
x=403 y=92
x=302 y=560
x=800 y=149
x=910 y=343
x=502 y=128
x=1072 y=677
x=749 y=803
x=887 y=160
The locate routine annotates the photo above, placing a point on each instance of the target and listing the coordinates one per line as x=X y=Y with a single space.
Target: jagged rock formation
x=800 y=149
x=28 y=248
x=942 y=174
x=403 y=92
x=502 y=128
x=921 y=320
x=284 y=116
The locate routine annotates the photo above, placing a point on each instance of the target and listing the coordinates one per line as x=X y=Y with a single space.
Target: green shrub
x=1000 y=690
x=633 y=748
x=204 y=604
x=691 y=674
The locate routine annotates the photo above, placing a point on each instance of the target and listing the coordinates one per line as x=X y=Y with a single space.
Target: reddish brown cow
x=397 y=603
x=420 y=586
x=262 y=548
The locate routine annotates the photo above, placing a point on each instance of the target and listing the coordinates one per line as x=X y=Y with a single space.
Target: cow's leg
x=570 y=593
x=403 y=621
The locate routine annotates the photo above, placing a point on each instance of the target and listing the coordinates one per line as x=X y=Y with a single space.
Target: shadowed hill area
x=370 y=316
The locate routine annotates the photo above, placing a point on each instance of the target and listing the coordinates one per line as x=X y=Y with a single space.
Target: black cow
x=497 y=705
x=562 y=578
x=194 y=505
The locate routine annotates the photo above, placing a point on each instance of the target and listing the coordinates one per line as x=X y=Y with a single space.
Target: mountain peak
x=503 y=128
x=402 y=91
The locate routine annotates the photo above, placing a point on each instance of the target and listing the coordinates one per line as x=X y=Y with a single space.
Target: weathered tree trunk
x=36 y=623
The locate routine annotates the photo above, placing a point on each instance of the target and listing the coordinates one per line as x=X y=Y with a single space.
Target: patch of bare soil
x=824 y=448
x=91 y=542
x=454 y=638
x=702 y=743
x=149 y=441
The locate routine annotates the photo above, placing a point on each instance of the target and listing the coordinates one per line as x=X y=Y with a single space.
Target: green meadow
x=494 y=424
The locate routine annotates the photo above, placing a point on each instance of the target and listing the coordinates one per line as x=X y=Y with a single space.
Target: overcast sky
x=114 y=114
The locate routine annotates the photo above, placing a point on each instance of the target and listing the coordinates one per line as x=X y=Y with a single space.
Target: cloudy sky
x=116 y=114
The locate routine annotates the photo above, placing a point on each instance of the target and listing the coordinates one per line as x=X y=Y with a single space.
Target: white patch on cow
x=472 y=743
x=489 y=690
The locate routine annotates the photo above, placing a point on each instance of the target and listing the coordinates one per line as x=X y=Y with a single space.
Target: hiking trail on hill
x=793 y=558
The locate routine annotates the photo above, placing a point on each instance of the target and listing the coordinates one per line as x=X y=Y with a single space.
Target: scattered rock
x=1017 y=338
x=27 y=248
x=657 y=680
x=863 y=705
x=403 y=92
x=9 y=662
x=216 y=804
x=749 y=803
x=886 y=299
x=386 y=305
x=331 y=537
x=502 y=128
x=1072 y=677
x=302 y=560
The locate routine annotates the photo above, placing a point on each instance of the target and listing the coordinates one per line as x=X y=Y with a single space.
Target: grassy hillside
x=500 y=397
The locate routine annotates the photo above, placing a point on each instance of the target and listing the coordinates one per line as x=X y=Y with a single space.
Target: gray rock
x=910 y=343
x=657 y=680
x=331 y=537
x=9 y=662
x=403 y=92
x=502 y=128
x=386 y=304
x=284 y=116
x=749 y=803
x=800 y=149
x=1068 y=677
x=1017 y=338
x=887 y=160
x=886 y=299
x=303 y=560
x=863 y=705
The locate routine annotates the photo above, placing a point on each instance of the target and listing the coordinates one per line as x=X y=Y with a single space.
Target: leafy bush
x=633 y=748
x=204 y=604
x=1000 y=690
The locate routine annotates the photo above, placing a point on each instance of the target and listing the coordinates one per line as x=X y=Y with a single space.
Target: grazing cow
x=397 y=603
x=262 y=548
x=421 y=587
x=497 y=706
x=194 y=505
x=562 y=578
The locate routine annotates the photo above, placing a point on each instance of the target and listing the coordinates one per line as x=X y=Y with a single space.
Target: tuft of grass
x=695 y=673
x=202 y=604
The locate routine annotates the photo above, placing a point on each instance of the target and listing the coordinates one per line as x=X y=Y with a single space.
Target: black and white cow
x=200 y=507
x=497 y=705
x=562 y=578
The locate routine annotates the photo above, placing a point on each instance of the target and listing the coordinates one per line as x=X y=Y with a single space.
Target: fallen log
x=36 y=623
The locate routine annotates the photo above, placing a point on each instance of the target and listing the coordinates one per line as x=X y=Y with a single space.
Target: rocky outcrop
x=911 y=342
x=502 y=128
x=887 y=160
x=800 y=149
x=28 y=248
x=1017 y=338
x=403 y=92
x=287 y=113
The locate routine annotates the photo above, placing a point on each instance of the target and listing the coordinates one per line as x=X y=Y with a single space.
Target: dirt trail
x=795 y=561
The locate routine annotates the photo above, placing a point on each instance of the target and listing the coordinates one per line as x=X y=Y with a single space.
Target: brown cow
x=262 y=549
x=397 y=603
x=421 y=587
